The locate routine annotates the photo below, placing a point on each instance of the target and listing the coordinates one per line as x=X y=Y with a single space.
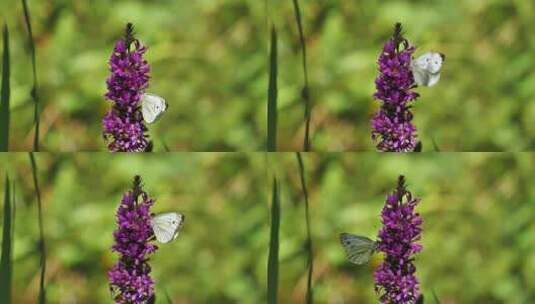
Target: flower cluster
x=395 y=278
x=124 y=128
x=392 y=129
x=130 y=280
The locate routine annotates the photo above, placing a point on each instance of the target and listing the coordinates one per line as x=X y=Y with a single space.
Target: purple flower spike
x=130 y=280
x=395 y=278
x=124 y=128
x=392 y=129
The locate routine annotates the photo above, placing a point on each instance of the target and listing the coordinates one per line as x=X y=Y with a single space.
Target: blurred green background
x=209 y=60
x=478 y=211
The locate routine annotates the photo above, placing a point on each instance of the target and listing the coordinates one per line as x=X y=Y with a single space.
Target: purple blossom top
x=130 y=280
x=395 y=278
x=124 y=128
x=392 y=129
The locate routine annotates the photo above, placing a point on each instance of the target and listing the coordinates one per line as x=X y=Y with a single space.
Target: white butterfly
x=167 y=225
x=426 y=68
x=152 y=106
x=359 y=249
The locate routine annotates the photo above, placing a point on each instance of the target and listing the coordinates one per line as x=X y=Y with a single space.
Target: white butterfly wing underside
x=166 y=226
x=152 y=106
x=426 y=68
x=358 y=249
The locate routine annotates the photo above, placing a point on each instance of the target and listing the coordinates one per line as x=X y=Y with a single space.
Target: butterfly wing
x=435 y=63
x=152 y=106
x=426 y=68
x=166 y=226
x=421 y=77
x=359 y=249
x=419 y=69
x=423 y=60
x=433 y=79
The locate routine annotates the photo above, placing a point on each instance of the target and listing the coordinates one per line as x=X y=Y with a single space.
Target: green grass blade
x=5 y=259
x=310 y=259
x=13 y=210
x=435 y=146
x=273 y=259
x=437 y=301
x=165 y=146
x=42 y=291
x=272 y=95
x=4 y=98
x=305 y=93
x=34 y=93
x=167 y=297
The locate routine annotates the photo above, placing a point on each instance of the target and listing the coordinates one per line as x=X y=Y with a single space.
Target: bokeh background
x=209 y=60
x=478 y=211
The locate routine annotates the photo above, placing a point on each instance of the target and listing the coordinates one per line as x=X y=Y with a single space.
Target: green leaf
x=310 y=258
x=34 y=93
x=42 y=291
x=272 y=95
x=4 y=99
x=6 y=265
x=305 y=93
x=273 y=259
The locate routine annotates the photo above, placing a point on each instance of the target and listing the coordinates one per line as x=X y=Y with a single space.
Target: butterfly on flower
x=152 y=106
x=166 y=226
x=426 y=68
x=359 y=249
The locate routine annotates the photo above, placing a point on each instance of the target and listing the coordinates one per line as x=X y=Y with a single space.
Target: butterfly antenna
x=129 y=34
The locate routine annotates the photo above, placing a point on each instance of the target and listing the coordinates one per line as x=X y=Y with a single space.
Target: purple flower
x=130 y=280
x=392 y=129
x=395 y=278
x=124 y=128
